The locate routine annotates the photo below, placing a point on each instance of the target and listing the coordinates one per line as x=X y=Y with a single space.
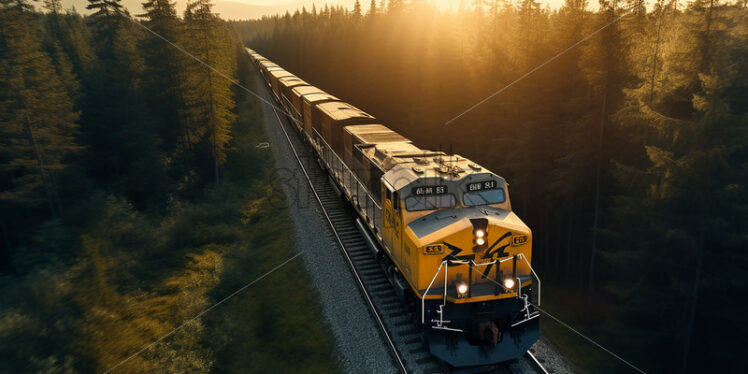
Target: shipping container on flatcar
x=297 y=100
x=333 y=117
x=275 y=76
x=286 y=85
x=310 y=115
x=266 y=66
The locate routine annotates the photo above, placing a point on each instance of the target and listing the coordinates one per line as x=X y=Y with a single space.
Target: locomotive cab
x=448 y=226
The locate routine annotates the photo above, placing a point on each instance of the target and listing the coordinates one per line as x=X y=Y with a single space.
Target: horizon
x=255 y=9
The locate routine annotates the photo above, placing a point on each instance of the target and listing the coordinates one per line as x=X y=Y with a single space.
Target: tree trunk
x=40 y=163
x=593 y=251
x=658 y=39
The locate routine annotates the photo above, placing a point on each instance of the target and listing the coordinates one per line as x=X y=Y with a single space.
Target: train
x=441 y=225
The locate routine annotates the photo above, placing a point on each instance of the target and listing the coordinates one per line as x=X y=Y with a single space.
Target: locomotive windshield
x=486 y=197
x=429 y=202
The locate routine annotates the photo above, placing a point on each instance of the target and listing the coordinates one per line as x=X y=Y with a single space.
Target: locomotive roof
x=402 y=171
x=404 y=163
x=370 y=134
x=305 y=90
x=341 y=111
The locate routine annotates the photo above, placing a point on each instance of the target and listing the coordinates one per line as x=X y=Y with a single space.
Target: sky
x=248 y=9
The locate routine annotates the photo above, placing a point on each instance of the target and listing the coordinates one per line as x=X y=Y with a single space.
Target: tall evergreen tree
x=124 y=153
x=356 y=10
x=684 y=209
x=209 y=97
x=39 y=122
x=104 y=8
x=163 y=76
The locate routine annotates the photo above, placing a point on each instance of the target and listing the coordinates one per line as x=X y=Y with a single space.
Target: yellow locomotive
x=442 y=226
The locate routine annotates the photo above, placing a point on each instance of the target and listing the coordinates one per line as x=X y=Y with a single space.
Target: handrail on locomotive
x=471 y=263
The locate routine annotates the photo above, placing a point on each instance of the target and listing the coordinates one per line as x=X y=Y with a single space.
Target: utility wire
x=564 y=324
x=525 y=75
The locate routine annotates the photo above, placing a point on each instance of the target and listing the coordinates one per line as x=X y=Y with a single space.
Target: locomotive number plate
x=519 y=240
x=480 y=186
x=433 y=249
x=429 y=190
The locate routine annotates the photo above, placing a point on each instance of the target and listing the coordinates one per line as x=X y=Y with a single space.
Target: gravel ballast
x=549 y=357
x=358 y=341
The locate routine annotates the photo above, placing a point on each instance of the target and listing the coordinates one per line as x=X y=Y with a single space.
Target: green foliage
x=39 y=123
x=99 y=115
x=626 y=153
x=207 y=93
x=690 y=195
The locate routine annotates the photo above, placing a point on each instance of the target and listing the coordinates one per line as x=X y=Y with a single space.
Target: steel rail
x=370 y=303
x=535 y=363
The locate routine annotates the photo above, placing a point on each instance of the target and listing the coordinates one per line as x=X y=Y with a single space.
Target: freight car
x=441 y=225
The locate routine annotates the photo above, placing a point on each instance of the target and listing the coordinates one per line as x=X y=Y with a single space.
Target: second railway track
x=392 y=317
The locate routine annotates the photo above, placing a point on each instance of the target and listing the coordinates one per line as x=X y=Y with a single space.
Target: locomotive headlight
x=480 y=234
x=462 y=289
x=509 y=283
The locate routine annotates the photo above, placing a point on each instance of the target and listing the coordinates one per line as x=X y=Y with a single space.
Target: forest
x=621 y=129
x=133 y=197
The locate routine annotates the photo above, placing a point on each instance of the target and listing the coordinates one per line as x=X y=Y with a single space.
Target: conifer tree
x=163 y=75
x=209 y=96
x=682 y=206
x=102 y=9
x=115 y=123
x=395 y=6
x=39 y=122
x=357 y=10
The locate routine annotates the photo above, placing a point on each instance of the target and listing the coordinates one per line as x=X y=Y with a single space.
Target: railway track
x=392 y=317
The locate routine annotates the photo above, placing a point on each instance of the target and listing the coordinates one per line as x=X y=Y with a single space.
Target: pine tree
x=53 y=6
x=209 y=97
x=395 y=6
x=104 y=8
x=589 y=142
x=372 y=8
x=163 y=75
x=116 y=123
x=356 y=10
x=683 y=207
x=72 y=35
x=39 y=122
